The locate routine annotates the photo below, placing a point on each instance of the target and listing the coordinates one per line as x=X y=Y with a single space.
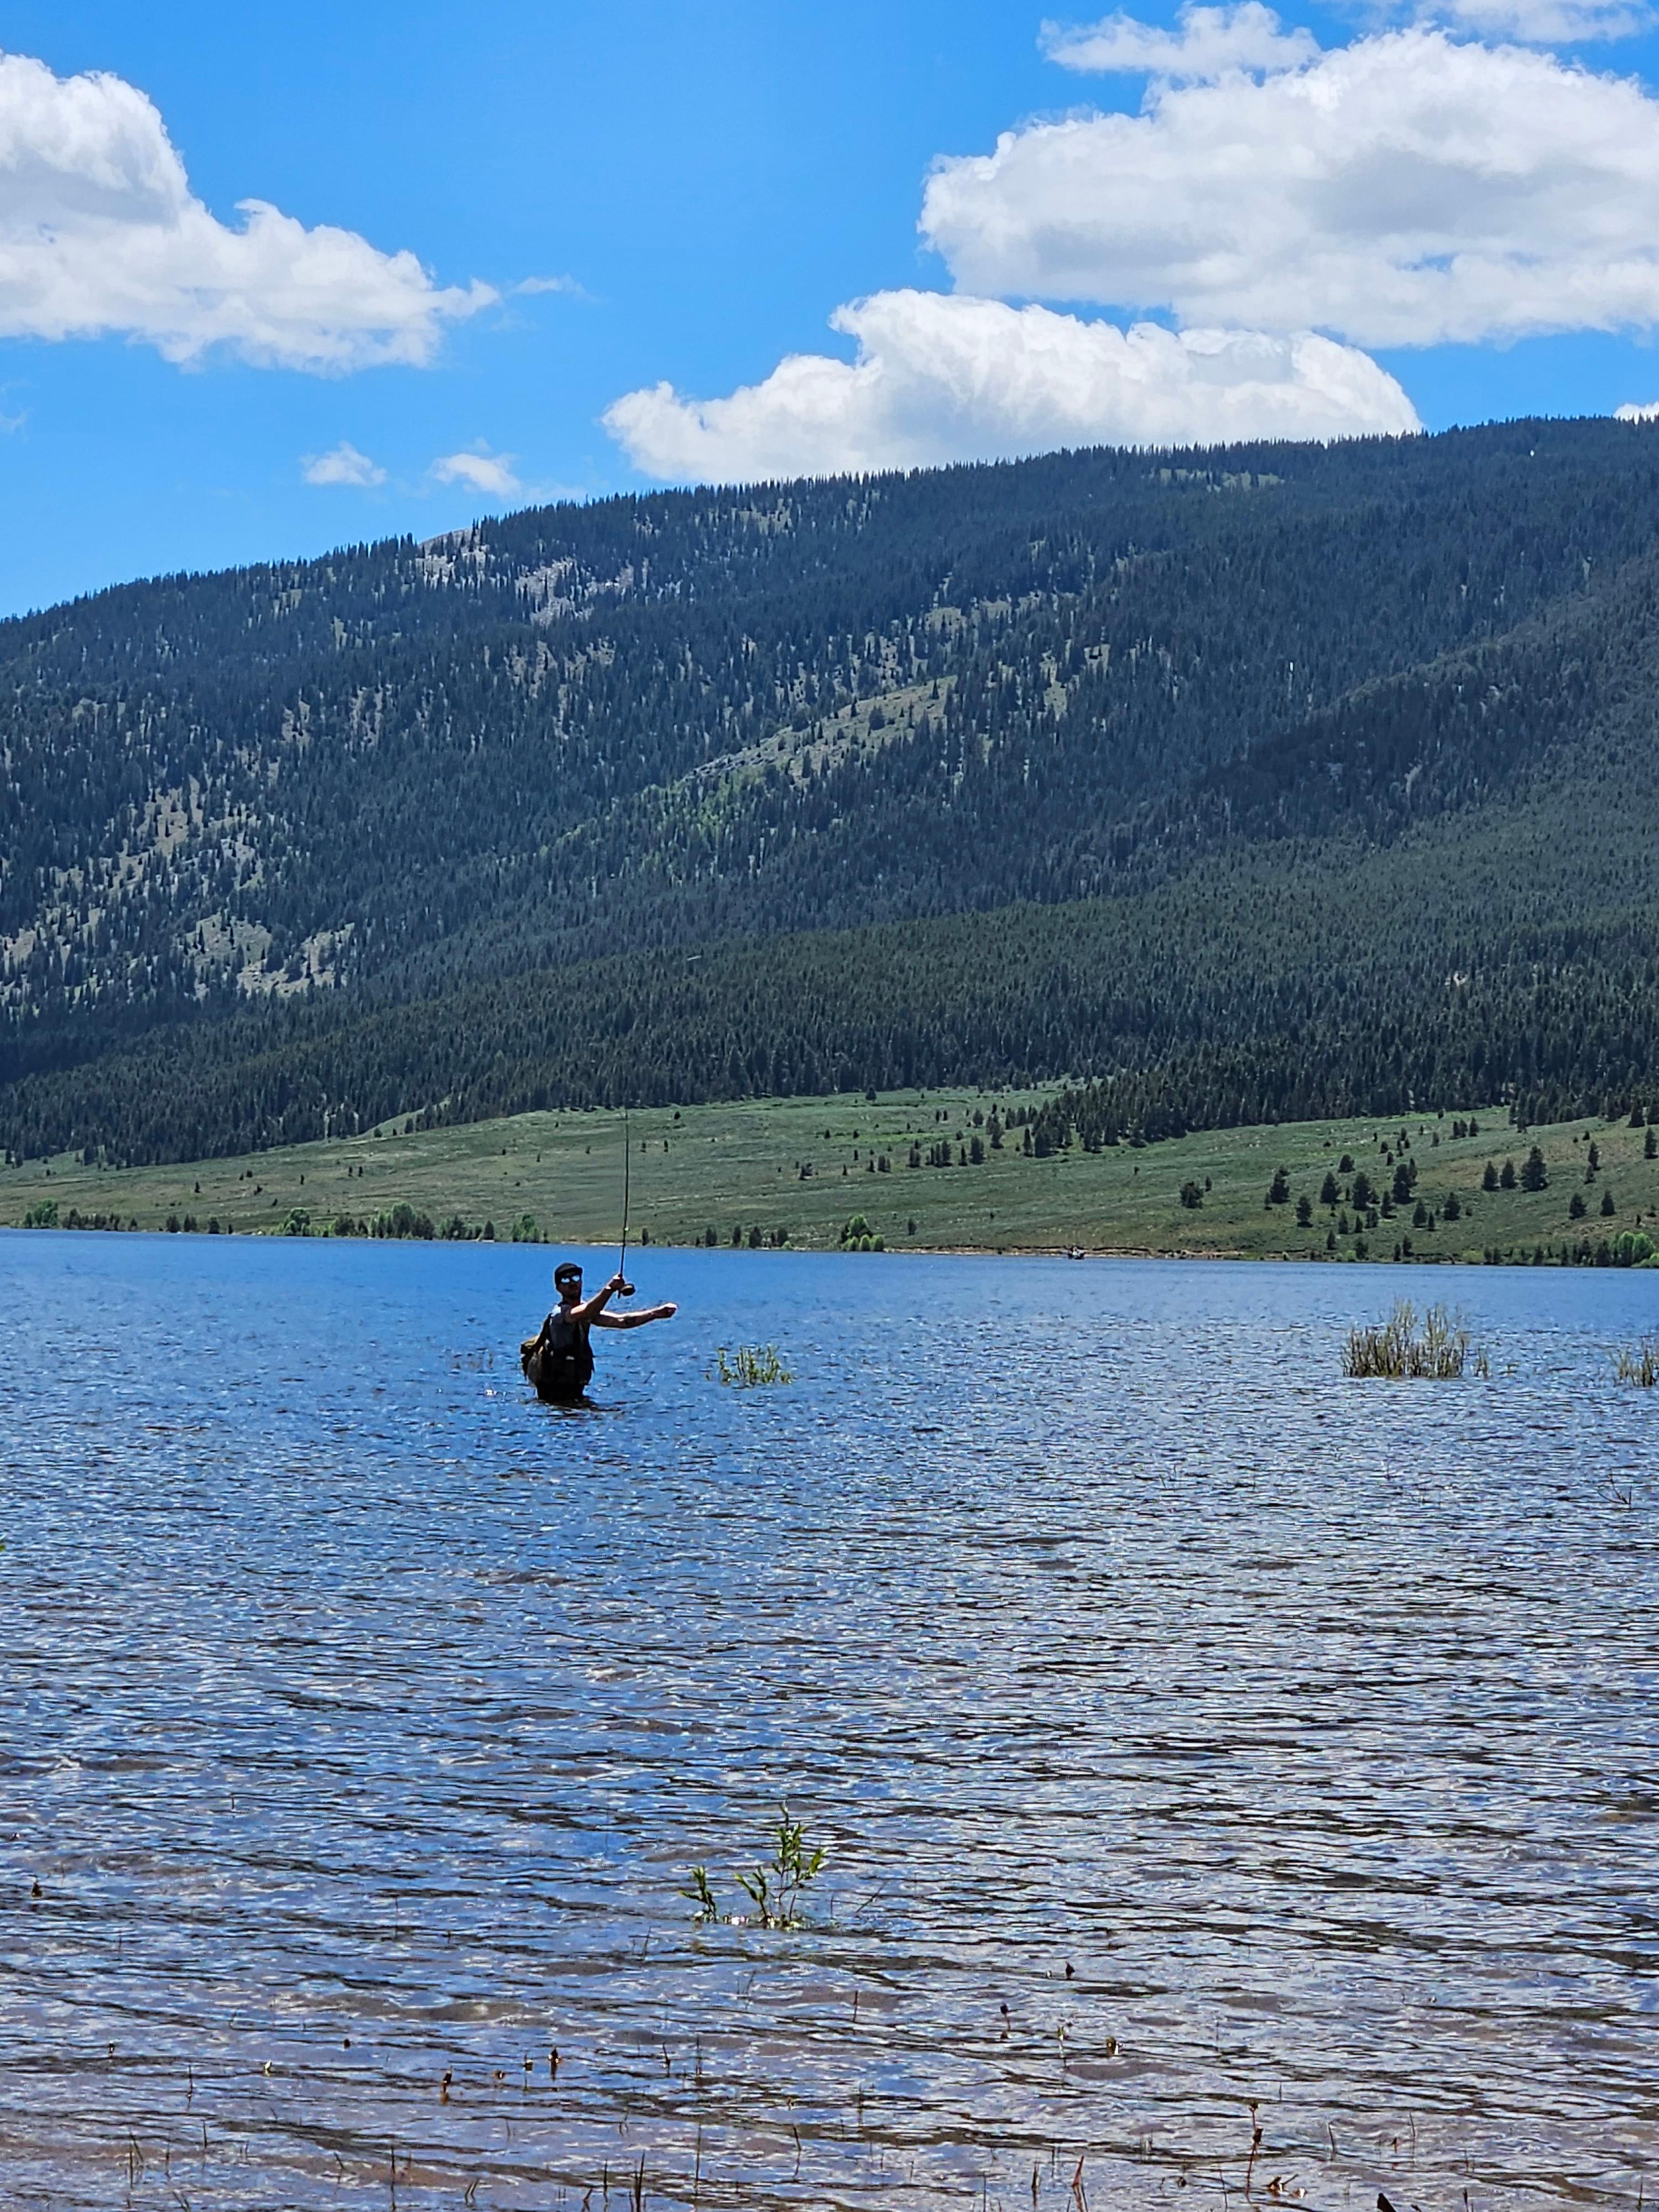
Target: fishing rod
x=627 y=1172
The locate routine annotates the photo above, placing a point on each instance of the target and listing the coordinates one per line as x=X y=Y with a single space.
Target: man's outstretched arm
x=635 y=1320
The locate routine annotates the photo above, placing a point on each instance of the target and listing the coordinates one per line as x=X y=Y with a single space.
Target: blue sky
x=709 y=184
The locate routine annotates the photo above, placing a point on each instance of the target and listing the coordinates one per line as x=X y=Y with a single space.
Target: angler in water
x=559 y=1361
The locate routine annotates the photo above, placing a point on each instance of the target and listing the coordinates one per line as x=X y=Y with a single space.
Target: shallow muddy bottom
x=1189 y=1730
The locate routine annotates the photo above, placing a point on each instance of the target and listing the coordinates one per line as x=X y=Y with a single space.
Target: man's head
x=567 y=1279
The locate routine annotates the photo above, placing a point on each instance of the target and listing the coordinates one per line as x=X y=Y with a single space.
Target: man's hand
x=619 y=1287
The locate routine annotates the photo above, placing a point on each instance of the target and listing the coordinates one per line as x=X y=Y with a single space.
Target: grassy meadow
x=799 y=1170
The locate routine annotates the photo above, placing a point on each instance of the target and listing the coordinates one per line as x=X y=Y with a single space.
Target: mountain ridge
x=738 y=721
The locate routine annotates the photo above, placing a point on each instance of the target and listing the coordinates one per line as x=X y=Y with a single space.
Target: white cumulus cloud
x=1638 y=410
x=100 y=234
x=941 y=378
x=1210 y=43
x=1215 y=42
x=1546 y=22
x=1409 y=189
x=481 y=471
x=343 y=465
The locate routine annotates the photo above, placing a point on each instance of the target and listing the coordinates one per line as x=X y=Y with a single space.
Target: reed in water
x=750 y=1366
x=1400 y=1351
x=1639 y=1363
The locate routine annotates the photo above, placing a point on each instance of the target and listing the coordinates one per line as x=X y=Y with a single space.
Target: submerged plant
x=750 y=1365
x=1400 y=1352
x=1638 y=1364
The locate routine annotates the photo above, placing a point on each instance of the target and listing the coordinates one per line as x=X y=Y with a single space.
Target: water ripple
x=1195 y=1736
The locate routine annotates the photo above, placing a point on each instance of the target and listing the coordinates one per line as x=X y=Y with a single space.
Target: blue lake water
x=1186 y=1727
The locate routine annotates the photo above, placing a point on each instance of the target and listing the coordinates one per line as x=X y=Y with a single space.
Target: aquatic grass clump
x=1638 y=1364
x=750 y=1366
x=1400 y=1352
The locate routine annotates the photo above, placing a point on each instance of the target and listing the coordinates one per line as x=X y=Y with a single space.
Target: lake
x=1200 y=1742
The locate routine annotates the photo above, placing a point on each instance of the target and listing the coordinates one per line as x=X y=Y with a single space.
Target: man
x=559 y=1361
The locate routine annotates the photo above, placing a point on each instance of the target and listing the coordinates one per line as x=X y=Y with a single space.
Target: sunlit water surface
x=1189 y=1730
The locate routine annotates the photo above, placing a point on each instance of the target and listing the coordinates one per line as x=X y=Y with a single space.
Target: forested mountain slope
x=1506 y=950
x=346 y=836
x=805 y=704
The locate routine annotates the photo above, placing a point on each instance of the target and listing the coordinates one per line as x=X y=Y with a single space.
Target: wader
x=559 y=1364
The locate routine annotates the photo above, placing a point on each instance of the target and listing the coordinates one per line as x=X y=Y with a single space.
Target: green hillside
x=919 y=1170
x=1267 y=784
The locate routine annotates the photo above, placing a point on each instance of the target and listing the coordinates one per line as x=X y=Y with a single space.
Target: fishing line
x=627 y=1173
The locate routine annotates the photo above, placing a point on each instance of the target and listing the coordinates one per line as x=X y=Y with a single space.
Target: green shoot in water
x=701 y=1896
x=774 y=1888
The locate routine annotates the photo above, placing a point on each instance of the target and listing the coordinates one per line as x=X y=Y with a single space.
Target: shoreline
x=966 y=1171
x=919 y=1251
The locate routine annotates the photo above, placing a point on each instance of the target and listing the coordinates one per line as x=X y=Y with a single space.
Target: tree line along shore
x=947 y=1170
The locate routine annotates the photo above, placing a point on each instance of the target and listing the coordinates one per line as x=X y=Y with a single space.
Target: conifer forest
x=1225 y=787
